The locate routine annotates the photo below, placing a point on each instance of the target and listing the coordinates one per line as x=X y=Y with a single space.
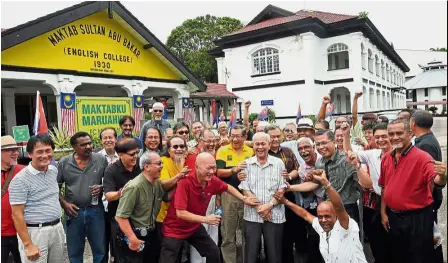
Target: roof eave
x=267 y=10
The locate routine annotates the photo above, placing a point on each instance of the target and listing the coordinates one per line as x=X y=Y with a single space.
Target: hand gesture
x=32 y=252
x=345 y=128
x=192 y=150
x=242 y=176
x=285 y=174
x=359 y=141
x=309 y=176
x=280 y=197
x=183 y=173
x=263 y=210
x=353 y=159
x=212 y=220
x=247 y=104
x=251 y=201
x=440 y=168
x=71 y=209
x=326 y=100
x=95 y=190
x=241 y=166
x=385 y=222
x=135 y=243
x=358 y=94
x=321 y=177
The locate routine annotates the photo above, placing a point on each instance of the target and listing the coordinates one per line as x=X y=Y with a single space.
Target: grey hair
x=271 y=128
x=305 y=139
x=262 y=135
x=407 y=125
x=146 y=158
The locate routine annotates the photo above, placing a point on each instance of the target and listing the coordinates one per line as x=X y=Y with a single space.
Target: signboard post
x=267 y=103
x=21 y=133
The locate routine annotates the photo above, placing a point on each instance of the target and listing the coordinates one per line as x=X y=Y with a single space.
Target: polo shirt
x=340 y=245
x=115 y=178
x=8 y=228
x=169 y=170
x=140 y=201
x=137 y=139
x=227 y=157
x=39 y=192
x=192 y=197
x=77 y=181
x=342 y=176
x=406 y=181
x=290 y=162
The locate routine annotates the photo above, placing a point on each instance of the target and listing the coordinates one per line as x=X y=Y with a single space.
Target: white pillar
x=10 y=110
x=178 y=94
x=201 y=113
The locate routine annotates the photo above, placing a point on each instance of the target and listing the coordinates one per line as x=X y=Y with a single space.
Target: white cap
x=158 y=105
x=305 y=123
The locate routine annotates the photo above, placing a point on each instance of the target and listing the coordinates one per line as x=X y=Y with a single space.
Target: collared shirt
x=428 y=143
x=289 y=160
x=227 y=157
x=109 y=161
x=310 y=199
x=340 y=245
x=373 y=159
x=264 y=181
x=357 y=132
x=39 y=192
x=406 y=181
x=77 y=181
x=8 y=228
x=116 y=176
x=190 y=196
x=294 y=147
x=140 y=201
x=137 y=139
x=169 y=170
x=342 y=176
x=162 y=125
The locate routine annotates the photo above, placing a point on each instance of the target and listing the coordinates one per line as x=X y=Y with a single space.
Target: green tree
x=363 y=14
x=192 y=40
x=441 y=49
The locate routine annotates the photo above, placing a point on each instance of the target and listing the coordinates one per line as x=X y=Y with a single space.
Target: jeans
x=10 y=244
x=88 y=223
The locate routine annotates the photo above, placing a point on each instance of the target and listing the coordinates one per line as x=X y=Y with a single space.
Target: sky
x=418 y=25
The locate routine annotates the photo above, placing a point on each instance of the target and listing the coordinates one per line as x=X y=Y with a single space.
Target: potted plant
x=61 y=142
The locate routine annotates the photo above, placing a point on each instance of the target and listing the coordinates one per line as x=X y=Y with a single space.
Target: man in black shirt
x=117 y=175
x=421 y=124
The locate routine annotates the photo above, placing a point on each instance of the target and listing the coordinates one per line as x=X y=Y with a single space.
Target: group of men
x=302 y=192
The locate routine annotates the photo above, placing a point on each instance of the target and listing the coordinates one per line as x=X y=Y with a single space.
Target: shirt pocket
x=273 y=184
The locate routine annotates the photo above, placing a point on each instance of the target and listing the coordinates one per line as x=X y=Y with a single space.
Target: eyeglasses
x=159 y=163
x=288 y=130
x=181 y=146
x=133 y=153
x=182 y=132
x=12 y=150
x=157 y=110
x=322 y=143
x=237 y=136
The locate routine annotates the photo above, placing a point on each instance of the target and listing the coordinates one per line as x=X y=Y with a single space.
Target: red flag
x=232 y=121
x=214 y=115
x=40 y=122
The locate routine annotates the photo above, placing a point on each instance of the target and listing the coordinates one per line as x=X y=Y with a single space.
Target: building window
x=444 y=106
x=426 y=92
x=384 y=100
x=265 y=61
x=338 y=57
x=338 y=103
x=377 y=65
x=382 y=69
x=388 y=100
x=370 y=58
x=426 y=105
x=378 y=99
x=444 y=91
x=363 y=57
x=347 y=103
x=371 y=95
x=387 y=71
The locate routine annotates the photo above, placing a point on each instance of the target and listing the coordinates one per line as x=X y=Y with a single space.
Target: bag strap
x=7 y=180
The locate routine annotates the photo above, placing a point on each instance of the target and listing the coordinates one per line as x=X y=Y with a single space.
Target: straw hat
x=8 y=142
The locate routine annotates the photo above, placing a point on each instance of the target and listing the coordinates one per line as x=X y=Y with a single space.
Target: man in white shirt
x=339 y=234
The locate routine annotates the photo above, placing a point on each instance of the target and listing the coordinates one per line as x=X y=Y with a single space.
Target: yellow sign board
x=93 y=44
x=95 y=113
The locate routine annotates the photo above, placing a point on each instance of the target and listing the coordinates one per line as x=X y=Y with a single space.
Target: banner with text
x=95 y=113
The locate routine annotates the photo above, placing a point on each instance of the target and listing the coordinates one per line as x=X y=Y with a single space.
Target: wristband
x=327 y=187
x=271 y=203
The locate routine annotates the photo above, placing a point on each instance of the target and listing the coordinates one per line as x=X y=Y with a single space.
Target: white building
x=287 y=58
x=429 y=87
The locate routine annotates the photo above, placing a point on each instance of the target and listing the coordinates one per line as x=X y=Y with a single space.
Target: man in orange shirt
x=10 y=154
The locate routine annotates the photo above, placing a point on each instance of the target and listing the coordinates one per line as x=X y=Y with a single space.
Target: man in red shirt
x=407 y=178
x=188 y=207
x=10 y=154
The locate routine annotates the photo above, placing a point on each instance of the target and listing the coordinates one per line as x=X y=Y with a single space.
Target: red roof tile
x=214 y=90
x=325 y=17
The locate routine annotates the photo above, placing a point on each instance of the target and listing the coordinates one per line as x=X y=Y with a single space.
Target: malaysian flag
x=188 y=111
x=165 y=109
x=68 y=111
x=232 y=121
x=139 y=110
x=299 y=114
x=40 y=122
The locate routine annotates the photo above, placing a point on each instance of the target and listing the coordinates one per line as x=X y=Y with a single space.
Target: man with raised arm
x=339 y=234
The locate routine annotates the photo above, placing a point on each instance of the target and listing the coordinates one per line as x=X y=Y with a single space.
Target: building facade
x=297 y=58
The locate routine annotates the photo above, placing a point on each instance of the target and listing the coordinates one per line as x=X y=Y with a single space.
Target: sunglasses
x=181 y=146
x=288 y=130
x=157 y=110
x=159 y=163
x=132 y=154
x=182 y=132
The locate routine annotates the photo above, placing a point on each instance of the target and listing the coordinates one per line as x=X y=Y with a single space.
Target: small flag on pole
x=188 y=111
x=232 y=121
x=139 y=110
x=214 y=114
x=299 y=114
x=263 y=114
x=40 y=122
x=68 y=112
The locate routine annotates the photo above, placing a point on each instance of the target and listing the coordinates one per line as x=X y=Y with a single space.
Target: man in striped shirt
x=265 y=177
x=34 y=198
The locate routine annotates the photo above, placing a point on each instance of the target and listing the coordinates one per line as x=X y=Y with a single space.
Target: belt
x=52 y=223
x=405 y=212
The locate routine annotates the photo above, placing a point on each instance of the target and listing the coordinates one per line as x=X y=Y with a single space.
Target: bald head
x=326 y=215
x=326 y=206
x=205 y=167
x=204 y=157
